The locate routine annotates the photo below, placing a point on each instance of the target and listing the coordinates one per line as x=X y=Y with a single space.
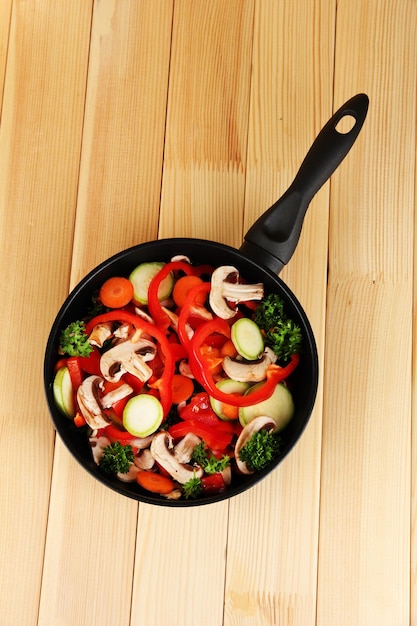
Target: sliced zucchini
x=142 y=415
x=247 y=338
x=141 y=277
x=63 y=392
x=227 y=385
x=279 y=407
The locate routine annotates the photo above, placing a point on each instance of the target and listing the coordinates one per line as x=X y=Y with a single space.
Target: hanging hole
x=345 y=124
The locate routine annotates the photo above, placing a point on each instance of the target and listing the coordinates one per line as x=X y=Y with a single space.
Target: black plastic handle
x=274 y=236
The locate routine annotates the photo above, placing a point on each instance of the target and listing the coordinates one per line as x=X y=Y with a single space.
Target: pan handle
x=274 y=236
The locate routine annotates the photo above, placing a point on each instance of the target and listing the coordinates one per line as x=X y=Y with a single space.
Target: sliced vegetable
x=279 y=406
x=182 y=288
x=63 y=392
x=116 y=292
x=156 y=483
x=282 y=335
x=247 y=338
x=182 y=388
x=141 y=278
x=143 y=415
x=222 y=409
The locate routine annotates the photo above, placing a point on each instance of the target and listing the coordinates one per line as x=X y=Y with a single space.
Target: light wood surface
x=124 y=121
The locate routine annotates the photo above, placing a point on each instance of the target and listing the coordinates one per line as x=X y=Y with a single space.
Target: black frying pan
x=268 y=246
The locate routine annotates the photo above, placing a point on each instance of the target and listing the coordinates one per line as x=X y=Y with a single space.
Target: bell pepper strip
x=187 y=310
x=213 y=483
x=214 y=438
x=163 y=384
x=75 y=372
x=199 y=410
x=160 y=318
x=91 y=364
x=203 y=374
x=79 y=420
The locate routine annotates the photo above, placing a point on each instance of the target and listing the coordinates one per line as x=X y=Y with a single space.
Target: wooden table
x=126 y=121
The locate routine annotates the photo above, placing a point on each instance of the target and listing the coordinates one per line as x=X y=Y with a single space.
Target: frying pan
x=267 y=247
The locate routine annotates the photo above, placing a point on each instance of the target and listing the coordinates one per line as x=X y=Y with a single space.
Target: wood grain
x=281 y=515
x=364 y=549
x=39 y=157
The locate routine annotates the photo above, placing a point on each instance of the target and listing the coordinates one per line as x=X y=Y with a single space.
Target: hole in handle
x=345 y=124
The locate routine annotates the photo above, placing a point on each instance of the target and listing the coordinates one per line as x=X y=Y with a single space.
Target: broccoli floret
x=74 y=340
x=281 y=334
x=116 y=459
x=209 y=463
x=261 y=449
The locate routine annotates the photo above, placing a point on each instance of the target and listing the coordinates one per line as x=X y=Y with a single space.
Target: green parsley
x=261 y=449
x=116 y=459
x=209 y=463
x=74 y=341
x=281 y=333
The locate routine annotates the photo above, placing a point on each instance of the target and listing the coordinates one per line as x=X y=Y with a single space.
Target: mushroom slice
x=249 y=371
x=262 y=422
x=88 y=400
x=144 y=460
x=225 y=286
x=128 y=356
x=115 y=395
x=185 y=448
x=97 y=447
x=181 y=257
x=100 y=333
x=162 y=449
x=173 y=318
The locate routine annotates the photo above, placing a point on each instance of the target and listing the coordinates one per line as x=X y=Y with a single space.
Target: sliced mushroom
x=130 y=475
x=88 y=395
x=128 y=356
x=162 y=449
x=185 y=369
x=100 y=333
x=181 y=257
x=173 y=317
x=145 y=316
x=144 y=460
x=115 y=395
x=249 y=371
x=225 y=287
x=97 y=447
x=185 y=448
x=262 y=422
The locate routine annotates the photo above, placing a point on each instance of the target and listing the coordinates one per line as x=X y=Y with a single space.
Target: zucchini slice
x=63 y=392
x=227 y=385
x=247 y=338
x=279 y=407
x=142 y=415
x=141 y=277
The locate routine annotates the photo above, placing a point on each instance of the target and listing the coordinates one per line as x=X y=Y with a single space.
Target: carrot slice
x=156 y=483
x=182 y=288
x=182 y=388
x=116 y=292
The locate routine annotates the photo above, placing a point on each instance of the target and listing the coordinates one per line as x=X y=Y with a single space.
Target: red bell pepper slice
x=202 y=372
x=91 y=364
x=214 y=483
x=214 y=438
x=75 y=372
x=199 y=410
x=159 y=316
x=164 y=383
x=186 y=312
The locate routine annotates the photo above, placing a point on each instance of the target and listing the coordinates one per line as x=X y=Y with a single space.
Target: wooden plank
x=208 y=108
x=39 y=157
x=202 y=195
x=364 y=549
x=5 y=17
x=272 y=563
x=120 y=177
